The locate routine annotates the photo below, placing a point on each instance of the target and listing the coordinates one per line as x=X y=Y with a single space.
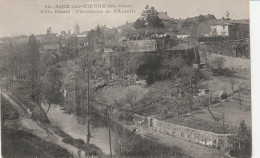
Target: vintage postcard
x=125 y=79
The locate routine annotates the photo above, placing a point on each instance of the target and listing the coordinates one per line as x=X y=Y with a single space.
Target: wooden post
x=223 y=118
x=89 y=134
x=109 y=134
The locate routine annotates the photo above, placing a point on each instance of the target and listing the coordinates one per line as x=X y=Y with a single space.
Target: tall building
x=76 y=29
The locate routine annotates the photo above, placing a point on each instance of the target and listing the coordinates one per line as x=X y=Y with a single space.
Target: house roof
x=163 y=16
x=242 y=21
x=219 y=22
x=227 y=22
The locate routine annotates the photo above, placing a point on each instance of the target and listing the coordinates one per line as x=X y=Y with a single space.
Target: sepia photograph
x=125 y=79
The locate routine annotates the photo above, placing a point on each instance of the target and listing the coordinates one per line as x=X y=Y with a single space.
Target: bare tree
x=207 y=100
x=124 y=141
x=132 y=98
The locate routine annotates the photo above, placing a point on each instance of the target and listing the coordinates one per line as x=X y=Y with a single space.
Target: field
x=228 y=114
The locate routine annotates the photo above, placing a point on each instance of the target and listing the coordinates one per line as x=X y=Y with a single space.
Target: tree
x=179 y=99
x=49 y=31
x=218 y=64
x=149 y=16
x=139 y=23
x=34 y=63
x=52 y=86
x=132 y=97
x=207 y=101
x=125 y=142
x=241 y=143
x=182 y=101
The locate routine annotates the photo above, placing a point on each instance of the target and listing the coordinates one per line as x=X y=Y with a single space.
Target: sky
x=24 y=17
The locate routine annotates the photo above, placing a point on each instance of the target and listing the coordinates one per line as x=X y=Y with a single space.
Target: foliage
x=148 y=68
x=35 y=62
x=177 y=98
x=139 y=23
x=217 y=64
x=95 y=38
x=52 y=86
x=149 y=16
x=125 y=142
x=69 y=52
x=49 y=31
x=242 y=142
x=157 y=67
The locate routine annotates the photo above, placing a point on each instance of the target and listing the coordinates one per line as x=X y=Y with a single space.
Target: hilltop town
x=178 y=82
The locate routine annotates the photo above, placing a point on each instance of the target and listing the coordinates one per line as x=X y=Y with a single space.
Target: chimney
x=166 y=13
x=223 y=18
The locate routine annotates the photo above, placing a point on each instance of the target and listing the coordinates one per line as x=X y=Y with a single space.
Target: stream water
x=77 y=127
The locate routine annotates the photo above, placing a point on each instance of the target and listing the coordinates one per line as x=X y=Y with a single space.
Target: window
x=223 y=26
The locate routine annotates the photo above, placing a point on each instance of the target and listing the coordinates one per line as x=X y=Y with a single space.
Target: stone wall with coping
x=204 y=138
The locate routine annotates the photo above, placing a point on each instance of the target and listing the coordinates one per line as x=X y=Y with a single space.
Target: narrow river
x=74 y=126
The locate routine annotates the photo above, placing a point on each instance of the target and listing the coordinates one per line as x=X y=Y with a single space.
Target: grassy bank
x=19 y=143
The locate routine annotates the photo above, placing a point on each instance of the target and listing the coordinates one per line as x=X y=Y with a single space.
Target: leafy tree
x=52 y=86
x=179 y=99
x=148 y=68
x=149 y=15
x=218 y=64
x=139 y=23
x=98 y=31
x=156 y=67
x=34 y=61
x=241 y=143
x=49 y=31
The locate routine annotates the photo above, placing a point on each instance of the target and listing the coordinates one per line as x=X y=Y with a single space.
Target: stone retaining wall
x=229 y=62
x=204 y=138
x=232 y=62
x=140 y=45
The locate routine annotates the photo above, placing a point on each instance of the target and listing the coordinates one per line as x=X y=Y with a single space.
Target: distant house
x=106 y=56
x=49 y=43
x=219 y=27
x=82 y=38
x=166 y=20
x=182 y=36
x=20 y=39
x=233 y=29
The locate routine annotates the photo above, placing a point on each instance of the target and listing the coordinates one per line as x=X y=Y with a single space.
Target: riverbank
x=124 y=143
x=19 y=141
x=35 y=132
